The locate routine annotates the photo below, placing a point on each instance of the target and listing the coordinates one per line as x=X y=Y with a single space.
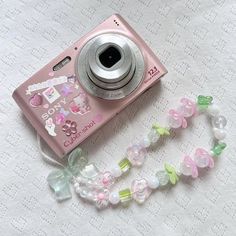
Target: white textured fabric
x=195 y=39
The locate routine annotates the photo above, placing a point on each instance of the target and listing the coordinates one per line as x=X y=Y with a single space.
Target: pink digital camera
x=87 y=84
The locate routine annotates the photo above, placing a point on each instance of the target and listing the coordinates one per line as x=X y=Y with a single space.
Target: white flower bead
x=116 y=171
x=153 y=136
x=219 y=133
x=153 y=182
x=114 y=198
x=213 y=110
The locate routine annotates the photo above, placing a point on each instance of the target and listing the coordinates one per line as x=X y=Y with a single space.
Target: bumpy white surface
x=195 y=39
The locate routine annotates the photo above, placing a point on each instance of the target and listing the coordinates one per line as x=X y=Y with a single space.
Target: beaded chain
x=95 y=186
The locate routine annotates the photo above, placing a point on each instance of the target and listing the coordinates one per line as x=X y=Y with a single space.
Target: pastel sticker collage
x=45 y=96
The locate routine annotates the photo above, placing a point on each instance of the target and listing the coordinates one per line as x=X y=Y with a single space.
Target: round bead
x=213 y=110
x=90 y=196
x=163 y=177
x=116 y=171
x=83 y=192
x=219 y=133
x=145 y=142
x=219 y=122
x=114 y=198
x=153 y=136
x=153 y=182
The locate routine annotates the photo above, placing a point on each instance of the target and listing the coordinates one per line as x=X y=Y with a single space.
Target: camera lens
x=109 y=57
x=110 y=66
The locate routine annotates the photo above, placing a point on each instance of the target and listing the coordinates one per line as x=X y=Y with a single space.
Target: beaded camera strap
x=95 y=186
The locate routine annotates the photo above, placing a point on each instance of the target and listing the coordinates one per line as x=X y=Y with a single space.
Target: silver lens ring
x=120 y=69
x=112 y=86
x=105 y=90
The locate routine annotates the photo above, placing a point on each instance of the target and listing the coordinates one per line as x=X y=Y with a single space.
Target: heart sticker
x=36 y=100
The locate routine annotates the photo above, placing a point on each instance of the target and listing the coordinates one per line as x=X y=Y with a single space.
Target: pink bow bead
x=176 y=119
x=188 y=107
x=203 y=158
x=189 y=167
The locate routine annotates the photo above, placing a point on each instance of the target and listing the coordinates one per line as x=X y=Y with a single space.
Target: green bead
x=172 y=174
x=125 y=165
x=125 y=195
x=204 y=101
x=161 y=130
x=218 y=148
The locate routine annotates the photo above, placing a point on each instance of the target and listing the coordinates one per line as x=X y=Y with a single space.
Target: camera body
x=88 y=84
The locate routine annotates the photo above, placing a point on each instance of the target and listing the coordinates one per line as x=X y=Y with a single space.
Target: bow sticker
x=59 y=180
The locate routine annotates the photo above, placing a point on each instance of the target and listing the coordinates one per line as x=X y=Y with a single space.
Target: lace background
x=195 y=39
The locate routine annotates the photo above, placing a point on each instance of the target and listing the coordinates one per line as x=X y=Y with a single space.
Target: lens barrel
x=108 y=64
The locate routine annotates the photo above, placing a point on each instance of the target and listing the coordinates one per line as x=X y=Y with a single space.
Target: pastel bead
x=83 y=192
x=116 y=171
x=153 y=136
x=89 y=171
x=163 y=177
x=136 y=154
x=153 y=182
x=125 y=195
x=114 y=198
x=125 y=165
x=145 y=142
x=106 y=179
x=188 y=107
x=219 y=122
x=185 y=170
x=204 y=101
x=218 y=148
x=140 y=190
x=203 y=159
x=176 y=119
x=219 y=134
x=213 y=110
x=102 y=198
x=90 y=196
x=189 y=167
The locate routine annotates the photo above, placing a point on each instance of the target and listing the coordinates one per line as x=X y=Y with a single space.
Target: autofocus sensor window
x=109 y=57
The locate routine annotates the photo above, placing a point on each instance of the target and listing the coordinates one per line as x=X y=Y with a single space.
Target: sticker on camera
x=51 y=94
x=80 y=104
x=50 y=127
